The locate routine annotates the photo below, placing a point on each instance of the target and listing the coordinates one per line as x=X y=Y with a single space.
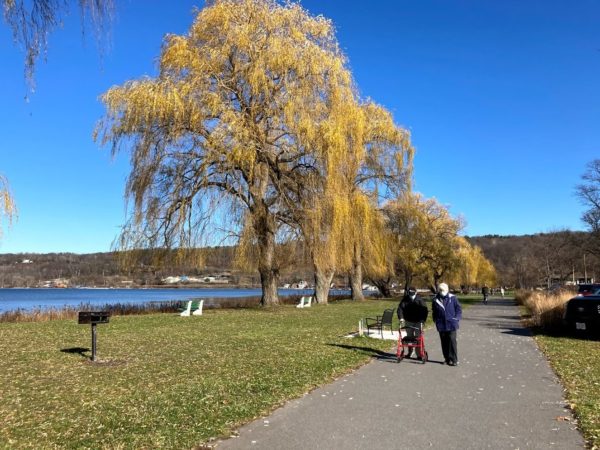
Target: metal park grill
x=93 y=318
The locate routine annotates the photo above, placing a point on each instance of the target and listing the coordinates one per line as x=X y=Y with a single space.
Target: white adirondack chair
x=305 y=302
x=187 y=312
x=198 y=311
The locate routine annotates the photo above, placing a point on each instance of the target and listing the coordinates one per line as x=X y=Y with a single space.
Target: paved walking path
x=503 y=395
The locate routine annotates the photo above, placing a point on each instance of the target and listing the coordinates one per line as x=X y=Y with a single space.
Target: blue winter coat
x=446 y=312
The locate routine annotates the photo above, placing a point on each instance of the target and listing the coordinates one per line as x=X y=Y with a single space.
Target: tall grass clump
x=546 y=308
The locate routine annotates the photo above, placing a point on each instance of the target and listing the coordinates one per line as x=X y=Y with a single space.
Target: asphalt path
x=502 y=395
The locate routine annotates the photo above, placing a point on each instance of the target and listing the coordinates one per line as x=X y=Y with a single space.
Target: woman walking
x=447 y=312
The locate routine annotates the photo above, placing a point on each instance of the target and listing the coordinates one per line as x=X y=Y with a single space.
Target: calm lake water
x=28 y=299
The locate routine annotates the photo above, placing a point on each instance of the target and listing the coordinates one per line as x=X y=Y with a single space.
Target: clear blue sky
x=502 y=99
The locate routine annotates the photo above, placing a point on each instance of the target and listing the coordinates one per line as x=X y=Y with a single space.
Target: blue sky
x=502 y=100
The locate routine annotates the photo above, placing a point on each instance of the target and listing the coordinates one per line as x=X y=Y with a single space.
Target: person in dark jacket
x=485 y=291
x=412 y=311
x=447 y=312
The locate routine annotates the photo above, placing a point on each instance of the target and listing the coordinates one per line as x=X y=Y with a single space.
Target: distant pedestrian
x=502 y=291
x=412 y=311
x=447 y=312
x=485 y=291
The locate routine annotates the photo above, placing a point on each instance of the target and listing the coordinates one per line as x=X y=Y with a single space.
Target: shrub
x=546 y=308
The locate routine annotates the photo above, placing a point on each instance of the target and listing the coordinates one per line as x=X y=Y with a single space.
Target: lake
x=28 y=299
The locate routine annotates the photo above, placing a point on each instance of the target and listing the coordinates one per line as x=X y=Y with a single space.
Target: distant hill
x=521 y=261
x=106 y=269
x=541 y=259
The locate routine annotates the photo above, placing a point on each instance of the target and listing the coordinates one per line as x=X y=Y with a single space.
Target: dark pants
x=449 y=348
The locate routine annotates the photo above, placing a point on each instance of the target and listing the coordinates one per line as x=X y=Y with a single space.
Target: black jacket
x=413 y=310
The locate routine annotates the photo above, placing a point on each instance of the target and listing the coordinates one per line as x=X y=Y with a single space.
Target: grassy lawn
x=164 y=381
x=577 y=363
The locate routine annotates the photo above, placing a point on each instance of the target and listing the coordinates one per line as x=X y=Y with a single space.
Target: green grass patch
x=577 y=364
x=164 y=381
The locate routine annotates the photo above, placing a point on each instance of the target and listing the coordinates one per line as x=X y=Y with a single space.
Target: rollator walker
x=410 y=343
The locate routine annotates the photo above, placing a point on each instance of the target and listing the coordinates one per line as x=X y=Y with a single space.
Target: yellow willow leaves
x=8 y=209
x=377 y=251
x=427 y=241
x=472 y=268
x=256 y=102
x=369 y=146
x=425 y=235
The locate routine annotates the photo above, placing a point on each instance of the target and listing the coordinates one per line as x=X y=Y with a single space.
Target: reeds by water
x=126 y=309
x=70 y=312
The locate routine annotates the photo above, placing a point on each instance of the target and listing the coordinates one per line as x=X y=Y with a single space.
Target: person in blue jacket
x=447 y=312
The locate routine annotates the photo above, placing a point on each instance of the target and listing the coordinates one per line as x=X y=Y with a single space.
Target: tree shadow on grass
x=369 y=351
x=76 y=350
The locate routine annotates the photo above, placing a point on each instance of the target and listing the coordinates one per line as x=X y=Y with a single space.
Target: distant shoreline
x=157 y=286
x=45 y=298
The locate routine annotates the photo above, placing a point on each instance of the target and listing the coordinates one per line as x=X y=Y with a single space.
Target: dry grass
x=546 y=308
x=70 y=312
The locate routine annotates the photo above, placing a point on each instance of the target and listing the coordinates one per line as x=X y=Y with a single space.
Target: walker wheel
x=425 y=358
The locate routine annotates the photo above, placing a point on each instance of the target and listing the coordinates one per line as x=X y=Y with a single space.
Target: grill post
x=94 y=341
x=93 y=318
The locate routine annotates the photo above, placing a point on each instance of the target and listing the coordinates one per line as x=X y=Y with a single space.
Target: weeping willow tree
x=443 y=244
x=8 y=209
x=337 y=207
x=378 y=167
x=474 y=269
x=240 y=110
x=378 y=255
x=426 y=241
x=32 y=21
x=407 y=222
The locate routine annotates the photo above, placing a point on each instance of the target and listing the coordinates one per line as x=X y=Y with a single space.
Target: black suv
x=582 y=313
x=588 y=289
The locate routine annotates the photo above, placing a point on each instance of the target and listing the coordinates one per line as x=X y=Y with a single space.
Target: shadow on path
x=381 y=355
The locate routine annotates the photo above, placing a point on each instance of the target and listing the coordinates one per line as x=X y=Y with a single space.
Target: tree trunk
x=269 y=273
x=268 y=281
x=436 y=281
x=408 y=277
x=322 y=284
x=383 y=286
x=356 y=275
